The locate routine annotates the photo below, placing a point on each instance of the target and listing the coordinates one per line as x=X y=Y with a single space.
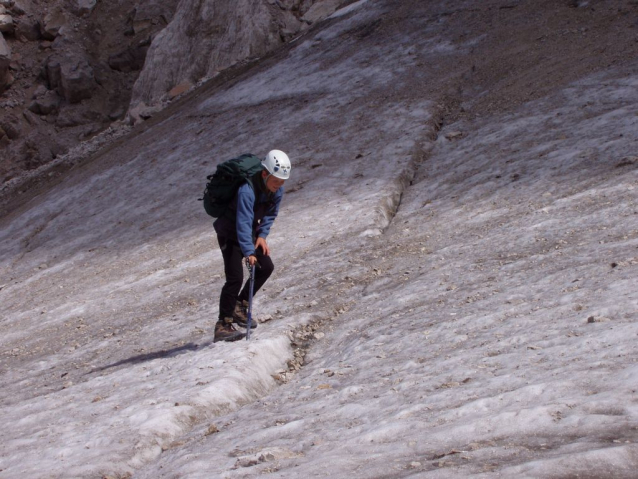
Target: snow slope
x=467 y=300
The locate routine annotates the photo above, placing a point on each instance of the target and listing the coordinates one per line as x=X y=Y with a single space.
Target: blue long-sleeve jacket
x=254 y=215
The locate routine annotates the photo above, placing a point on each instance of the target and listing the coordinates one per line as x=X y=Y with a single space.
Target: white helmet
x=278 y=164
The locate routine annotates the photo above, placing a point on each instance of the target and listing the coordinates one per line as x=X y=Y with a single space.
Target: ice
x=441 y=289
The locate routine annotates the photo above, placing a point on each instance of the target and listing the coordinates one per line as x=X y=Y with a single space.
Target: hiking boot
x=225 y=331
x=240 y=315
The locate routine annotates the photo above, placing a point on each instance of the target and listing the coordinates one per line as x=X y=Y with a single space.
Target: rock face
x=206 y=37
x=69 y=68
x=216 y=34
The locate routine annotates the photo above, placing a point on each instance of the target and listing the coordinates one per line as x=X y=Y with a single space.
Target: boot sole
x=253 y=325
x=230 y=339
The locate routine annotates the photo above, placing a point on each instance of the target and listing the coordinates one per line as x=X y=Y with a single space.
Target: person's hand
x=261 y=243
x=252 y=260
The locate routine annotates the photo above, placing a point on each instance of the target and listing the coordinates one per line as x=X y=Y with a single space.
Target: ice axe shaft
x=250 y=301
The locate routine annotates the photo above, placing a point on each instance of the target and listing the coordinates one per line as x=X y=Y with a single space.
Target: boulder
x=6 y=23
x=85 y=7
x=31 y=118
x=10 y=126
x=52 y=24
x=27 y=29
x=71 y=76
x=16 y=9
x=78 y=81
x=140 y=112
x=68 y=118
x=39 y=91
x=45 y=104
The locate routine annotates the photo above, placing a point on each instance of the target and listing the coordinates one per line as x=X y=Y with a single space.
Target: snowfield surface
x=466 y=301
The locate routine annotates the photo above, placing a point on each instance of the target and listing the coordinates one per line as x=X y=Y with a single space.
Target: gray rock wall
x=208 y=36
x=204 y=37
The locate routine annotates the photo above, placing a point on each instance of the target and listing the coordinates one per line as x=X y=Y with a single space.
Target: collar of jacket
x=259 y=185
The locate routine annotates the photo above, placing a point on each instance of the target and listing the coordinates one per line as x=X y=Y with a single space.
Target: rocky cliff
x=66 y=72
x=70 y=69
x=207 y=37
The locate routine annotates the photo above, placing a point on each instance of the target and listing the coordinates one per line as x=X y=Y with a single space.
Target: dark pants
x=234 y=269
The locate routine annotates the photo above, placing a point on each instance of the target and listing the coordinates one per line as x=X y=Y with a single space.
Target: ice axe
x=250 y=301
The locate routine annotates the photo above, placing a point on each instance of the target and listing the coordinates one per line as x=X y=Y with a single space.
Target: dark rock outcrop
x=131 y=59
x=71 y=76
x=45 y=103
x=5 y=61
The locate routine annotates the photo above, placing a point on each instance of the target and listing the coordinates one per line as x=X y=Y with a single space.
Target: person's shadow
x=164 y=353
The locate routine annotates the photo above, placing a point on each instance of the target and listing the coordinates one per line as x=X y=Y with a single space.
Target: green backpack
x=224 y=183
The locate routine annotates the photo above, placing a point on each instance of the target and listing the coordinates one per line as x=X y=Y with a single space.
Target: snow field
x=456 y=337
